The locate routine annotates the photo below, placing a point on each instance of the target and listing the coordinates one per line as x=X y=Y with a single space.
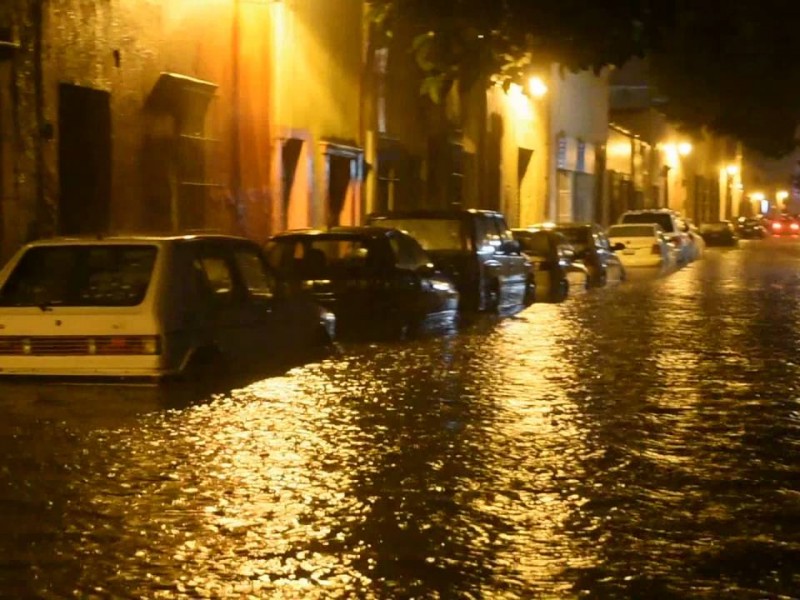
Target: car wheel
x=530 y=291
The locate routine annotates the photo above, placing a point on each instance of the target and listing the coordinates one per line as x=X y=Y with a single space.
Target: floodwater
x=640 y=441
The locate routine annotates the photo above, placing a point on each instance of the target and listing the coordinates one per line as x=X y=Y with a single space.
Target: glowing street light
x=758 y=196
x=537 y=87
x=781 y=195
x=731 y=170
x=684 y=148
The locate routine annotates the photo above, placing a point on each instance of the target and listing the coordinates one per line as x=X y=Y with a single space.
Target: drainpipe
x=43 y=221
x=236 y=175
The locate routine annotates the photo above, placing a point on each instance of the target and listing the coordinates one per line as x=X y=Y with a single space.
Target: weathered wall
x=318 y=57
x=19 y=127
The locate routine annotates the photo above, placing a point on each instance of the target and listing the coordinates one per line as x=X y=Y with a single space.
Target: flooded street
x=639 y=441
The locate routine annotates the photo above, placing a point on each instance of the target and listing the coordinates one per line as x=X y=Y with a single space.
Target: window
x=81 y=275
x=218 y=277
x=256 y=278
x=431 y=233
x=410 y=254
x=645 y=230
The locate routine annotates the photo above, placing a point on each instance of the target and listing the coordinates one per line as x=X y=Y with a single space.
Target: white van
x=142 y=306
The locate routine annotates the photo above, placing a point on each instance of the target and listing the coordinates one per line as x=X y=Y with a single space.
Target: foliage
x=500 y=40
x=725 y=64
x=728 y=65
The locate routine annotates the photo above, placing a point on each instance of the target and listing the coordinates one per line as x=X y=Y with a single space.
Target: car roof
x=442 y=213
x=562 y=225
x=134 y=238
x=364 y=231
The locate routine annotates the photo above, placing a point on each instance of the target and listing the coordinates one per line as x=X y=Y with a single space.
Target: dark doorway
x=290 y=157
x=84 y=159
x=340 y=176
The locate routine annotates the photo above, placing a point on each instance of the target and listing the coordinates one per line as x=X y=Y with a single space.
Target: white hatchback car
x=146 y=307
x=643 y=245
x=672 y=225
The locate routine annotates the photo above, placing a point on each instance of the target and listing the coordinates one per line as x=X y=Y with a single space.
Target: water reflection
x=639 y=441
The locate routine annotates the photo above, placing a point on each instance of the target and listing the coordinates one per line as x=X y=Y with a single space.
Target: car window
x=662 y=219
x=535 y=244
x=505 y=232
x=217 y=275
x=578 y=237
x=487 y=234
x=254 y=274
x=328 y=257
x=645 y=230
x=409 y=253
x=431 y=233
x=81 y=275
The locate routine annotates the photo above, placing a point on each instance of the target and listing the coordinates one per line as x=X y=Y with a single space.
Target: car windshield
x=631 y=231
x=535 y=244
x=431 y=233
x=80 y=275
x=662 y=219
x=715 y=227
x=578 y=237
x=315 y=257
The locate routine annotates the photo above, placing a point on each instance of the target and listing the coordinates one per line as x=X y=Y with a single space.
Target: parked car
x=749 y=228
x=371 y=278
x=542 y=249
x=146 y=306
x=593 y=249
x=476 y=249
x=697 y=244
x=643 y=245
x=785 y=225
x=670 y=224
x=553 y=264
x=721 y=233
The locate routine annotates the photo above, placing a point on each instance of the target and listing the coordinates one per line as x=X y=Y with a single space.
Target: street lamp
x=731 y=171
x=537 y=87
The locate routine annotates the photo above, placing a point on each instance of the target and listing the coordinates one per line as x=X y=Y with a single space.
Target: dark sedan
x=551 y=257
x=476 y=249
x=371 y=278
x=593 y=248
x=721 y=233
x=751 y=229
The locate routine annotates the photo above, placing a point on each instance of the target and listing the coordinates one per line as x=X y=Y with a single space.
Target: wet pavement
x=640 y=441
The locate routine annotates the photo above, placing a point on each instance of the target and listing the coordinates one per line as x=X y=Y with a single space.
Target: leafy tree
x=728 y=65
x=724 y=64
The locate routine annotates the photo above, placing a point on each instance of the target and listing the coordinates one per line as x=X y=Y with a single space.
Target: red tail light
x=777 y=226
x=794 y=227
x=656 y=249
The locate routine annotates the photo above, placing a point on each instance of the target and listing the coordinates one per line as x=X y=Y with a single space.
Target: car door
x=428 y=295
x=240 y=295
x=514 y=267
x=608 y=260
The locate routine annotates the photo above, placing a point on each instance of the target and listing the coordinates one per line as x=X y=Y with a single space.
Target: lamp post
x=730 y=172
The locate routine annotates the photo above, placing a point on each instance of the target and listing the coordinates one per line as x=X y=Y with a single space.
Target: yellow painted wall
x=317 y=57
x=524 y=126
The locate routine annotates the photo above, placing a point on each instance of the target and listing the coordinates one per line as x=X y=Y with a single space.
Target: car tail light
x=794 y=227
x=656 y=249
x=125 y=344
x=777 y=226
x=81 y=345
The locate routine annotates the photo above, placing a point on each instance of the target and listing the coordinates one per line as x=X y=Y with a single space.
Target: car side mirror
x=510 y=247
x=618 y=246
